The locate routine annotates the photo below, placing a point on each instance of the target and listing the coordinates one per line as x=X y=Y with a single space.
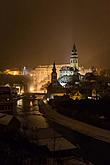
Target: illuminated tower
x=25 y=71
x=74 y=58
x=53 y=74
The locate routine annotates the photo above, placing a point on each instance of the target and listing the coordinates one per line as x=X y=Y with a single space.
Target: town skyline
x=38 y=32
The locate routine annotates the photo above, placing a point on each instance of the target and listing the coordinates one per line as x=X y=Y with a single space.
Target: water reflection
x=27 y=104
x=20 y=102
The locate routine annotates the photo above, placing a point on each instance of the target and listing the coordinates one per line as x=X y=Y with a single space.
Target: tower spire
x=74 y=58
x=54 y=67
x=74 y=50
x=53 y=74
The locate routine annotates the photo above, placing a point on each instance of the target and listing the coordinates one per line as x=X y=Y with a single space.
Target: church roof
x=55 y=87
x=55 y=84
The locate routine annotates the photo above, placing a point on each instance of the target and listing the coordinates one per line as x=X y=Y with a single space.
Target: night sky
x=34 y=32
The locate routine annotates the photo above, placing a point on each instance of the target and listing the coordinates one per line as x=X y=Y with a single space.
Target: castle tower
x=53 y=74
x=74 y=58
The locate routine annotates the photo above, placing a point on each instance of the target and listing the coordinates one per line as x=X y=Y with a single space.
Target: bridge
x=10 y=103
x=35 y=95
x=29 y=96
x=93 y=141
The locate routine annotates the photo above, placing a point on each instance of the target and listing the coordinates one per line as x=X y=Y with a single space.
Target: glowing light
x=12 y=72
x=31 y=89
x=31 y=74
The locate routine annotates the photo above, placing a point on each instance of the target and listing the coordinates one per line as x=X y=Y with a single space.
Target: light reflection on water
x=28 y=104
x=31 y=103
x=20 y=102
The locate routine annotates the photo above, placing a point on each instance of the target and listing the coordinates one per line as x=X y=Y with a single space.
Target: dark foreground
x=92 y=149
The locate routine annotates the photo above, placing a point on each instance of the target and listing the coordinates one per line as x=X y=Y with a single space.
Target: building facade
x=41 y=75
